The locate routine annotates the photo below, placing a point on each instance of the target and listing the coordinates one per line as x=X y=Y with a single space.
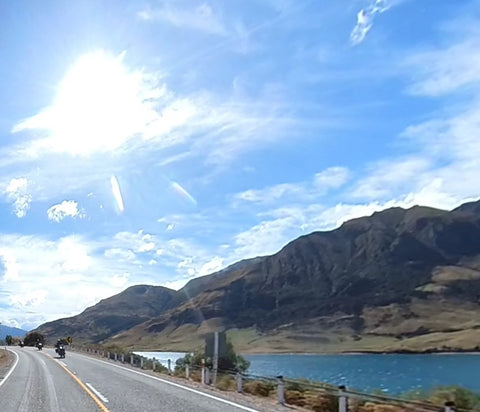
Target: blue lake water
x=395 y=374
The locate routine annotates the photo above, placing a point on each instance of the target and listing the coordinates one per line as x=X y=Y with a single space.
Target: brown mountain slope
x=355 y=287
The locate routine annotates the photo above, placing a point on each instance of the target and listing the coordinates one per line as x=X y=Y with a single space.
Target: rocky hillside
x=397 y=280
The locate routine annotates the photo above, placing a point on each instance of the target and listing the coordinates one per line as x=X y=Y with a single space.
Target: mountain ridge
x=332 y=281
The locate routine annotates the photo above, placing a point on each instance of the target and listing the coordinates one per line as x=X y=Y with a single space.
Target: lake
x=393 y=373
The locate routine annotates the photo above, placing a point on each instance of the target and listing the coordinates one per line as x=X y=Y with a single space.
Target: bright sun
x=99 y=106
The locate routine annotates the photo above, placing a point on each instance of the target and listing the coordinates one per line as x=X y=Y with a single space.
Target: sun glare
x=99 y=106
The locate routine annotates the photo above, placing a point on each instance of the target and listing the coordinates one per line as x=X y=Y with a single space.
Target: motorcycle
x=60 y=351
x=39 y=345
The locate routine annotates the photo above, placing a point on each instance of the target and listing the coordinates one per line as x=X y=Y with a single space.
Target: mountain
x=400 y=279
x=14 y=332
x=134 y=305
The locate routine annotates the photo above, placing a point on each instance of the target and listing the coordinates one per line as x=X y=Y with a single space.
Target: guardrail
x=345 y=399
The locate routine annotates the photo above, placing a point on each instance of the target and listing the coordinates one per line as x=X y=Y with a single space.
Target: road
x=41 y=382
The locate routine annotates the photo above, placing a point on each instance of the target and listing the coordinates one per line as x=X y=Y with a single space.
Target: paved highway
x=41 y=382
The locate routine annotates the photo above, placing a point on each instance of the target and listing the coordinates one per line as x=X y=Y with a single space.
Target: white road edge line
x=207 y=395
x=103 y=398
x=11 y=369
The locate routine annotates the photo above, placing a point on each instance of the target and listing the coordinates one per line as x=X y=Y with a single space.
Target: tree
x=231 y=361
x=32 y=338
x=9 y=340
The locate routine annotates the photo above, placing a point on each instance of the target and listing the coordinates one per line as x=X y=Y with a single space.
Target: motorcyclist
x=59 y=348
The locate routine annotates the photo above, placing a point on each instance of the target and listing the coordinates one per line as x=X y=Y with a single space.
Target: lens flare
x=182 y=192
x=117 y=194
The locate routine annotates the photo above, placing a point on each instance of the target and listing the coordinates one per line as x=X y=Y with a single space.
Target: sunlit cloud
x=60 y=211
x=17 y=192
x=99 y=105
x=117 y=194
x=201 y=18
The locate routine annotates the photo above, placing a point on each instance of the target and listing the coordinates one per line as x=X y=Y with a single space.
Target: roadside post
x=141 y=362
x=187 y=371
x=169 y=363
x=132 y=360
x=207 y=376
x=239 y=382
x=153 y=364
x=203 y=371
x=215 y=358
x=342 y=399
x=281 y=390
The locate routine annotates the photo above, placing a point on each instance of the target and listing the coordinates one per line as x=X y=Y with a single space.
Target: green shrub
x=463 y=398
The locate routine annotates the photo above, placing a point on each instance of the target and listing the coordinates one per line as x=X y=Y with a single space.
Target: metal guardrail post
x=281 y=390
x=203 y=371
x=132 y=360
x=169 y=363
x=187 y=371
x=153 y=364
x=141 y=363
x=342 y=399
x=116 y=357
x=123 y=358
x=239 y=382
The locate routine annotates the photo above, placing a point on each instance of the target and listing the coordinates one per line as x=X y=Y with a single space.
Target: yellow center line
x=89 y=392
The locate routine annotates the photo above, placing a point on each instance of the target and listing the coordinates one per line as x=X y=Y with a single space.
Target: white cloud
x=270 y=194
x=322 y=182
x=17 y=192
x=139 y=242
x=388 y=177
x=201 y=18
x=446 y=70
x=31 y=262
x=365 y=19
x=9 y=265
x=176 y=284
x=60 y=211
x=333 y=177
x=120 y=281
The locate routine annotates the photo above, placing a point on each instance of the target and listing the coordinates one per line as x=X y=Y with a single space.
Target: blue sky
x=157 y=141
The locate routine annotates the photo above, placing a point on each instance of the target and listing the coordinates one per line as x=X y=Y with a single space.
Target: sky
x=152 y=142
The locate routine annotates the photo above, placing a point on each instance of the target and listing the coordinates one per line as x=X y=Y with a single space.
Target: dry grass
x=258 y=388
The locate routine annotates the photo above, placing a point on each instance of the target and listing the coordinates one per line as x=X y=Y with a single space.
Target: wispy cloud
x=322 y=182
x=365 y=19
x=201 y=18
x=446 y=70
x=60 y=211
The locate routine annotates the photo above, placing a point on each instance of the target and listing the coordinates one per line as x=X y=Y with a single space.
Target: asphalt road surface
x=41 y=382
